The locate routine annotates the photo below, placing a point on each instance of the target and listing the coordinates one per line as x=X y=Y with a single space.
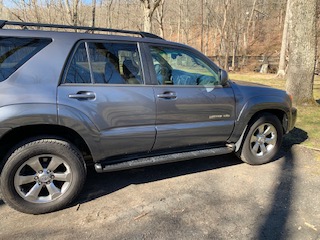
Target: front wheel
x=42 y=176
x=263 y=140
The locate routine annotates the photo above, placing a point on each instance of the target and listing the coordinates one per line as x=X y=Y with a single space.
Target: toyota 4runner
x=69 y=99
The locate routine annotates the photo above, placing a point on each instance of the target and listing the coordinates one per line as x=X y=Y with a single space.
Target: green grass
x=308 y=116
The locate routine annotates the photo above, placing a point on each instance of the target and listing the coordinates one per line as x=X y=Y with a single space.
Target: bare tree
x=302 y=51
x=180 y=20
x=284 y=44
x=1 y=7
x=109 y=13
x=149 y=6
x=202 y=26
x=94 y=7
x=247 y=33
x=160 y=17
x=72 y=10
x=220 y=28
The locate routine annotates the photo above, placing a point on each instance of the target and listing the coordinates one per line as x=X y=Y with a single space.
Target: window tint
x=180 y=67
x=79 y=70
x=14 y=52
x=115 y=63
x=110 y=63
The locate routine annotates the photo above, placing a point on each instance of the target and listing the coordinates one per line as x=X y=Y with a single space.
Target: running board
x=169 y=158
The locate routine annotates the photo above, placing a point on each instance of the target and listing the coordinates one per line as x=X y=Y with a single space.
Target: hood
x=249 y=84
x=249 y=90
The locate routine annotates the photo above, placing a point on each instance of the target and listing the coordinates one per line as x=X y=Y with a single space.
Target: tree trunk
x=1 y=7
x=148 y=11
x=180 y=21
x=249 y=23
x=34 y=9
x=302 y=51
x=147 y=20
x=94 y=4
x=284 y=44
x=109 y=14
x=202 y=27
x=72 y=12
x=160 y=16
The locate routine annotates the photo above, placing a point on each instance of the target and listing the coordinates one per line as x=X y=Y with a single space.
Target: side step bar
x=175 y=157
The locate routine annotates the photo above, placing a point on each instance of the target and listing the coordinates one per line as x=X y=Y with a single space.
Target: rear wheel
x=263 y=140
x=42 y=176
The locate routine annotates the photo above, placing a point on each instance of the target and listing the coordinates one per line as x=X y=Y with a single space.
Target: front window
x=181 y=67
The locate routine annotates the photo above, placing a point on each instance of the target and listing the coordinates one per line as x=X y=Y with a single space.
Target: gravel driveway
x=209 y=198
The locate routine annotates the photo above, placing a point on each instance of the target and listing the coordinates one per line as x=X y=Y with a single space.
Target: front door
x=192 y=106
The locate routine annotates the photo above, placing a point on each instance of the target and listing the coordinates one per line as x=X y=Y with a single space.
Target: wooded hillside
x=223 y=28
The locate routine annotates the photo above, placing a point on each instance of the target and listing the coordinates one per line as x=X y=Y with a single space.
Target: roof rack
x=45 y=25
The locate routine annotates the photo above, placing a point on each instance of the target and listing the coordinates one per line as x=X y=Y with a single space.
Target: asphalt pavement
x=210 y=198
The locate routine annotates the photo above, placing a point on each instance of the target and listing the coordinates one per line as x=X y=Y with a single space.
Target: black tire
x=42 y=175
x=262 y=140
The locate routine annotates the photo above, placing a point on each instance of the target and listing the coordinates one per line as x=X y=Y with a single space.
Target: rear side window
x=14 y=52
x=79 y=70
x=105 y=63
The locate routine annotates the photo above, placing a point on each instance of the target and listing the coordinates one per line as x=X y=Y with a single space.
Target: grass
x=308 y=116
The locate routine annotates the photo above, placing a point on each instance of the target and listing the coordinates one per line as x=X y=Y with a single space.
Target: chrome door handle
x=83 y=95
x=167 y=95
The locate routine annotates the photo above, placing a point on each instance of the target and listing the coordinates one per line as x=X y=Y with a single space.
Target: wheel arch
x=279 y=113
x=19 y=134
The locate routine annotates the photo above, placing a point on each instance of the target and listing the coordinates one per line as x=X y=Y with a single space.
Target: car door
x=104 y=83
x=193 y=108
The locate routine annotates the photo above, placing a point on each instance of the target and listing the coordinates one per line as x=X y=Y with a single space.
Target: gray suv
x=71 y=99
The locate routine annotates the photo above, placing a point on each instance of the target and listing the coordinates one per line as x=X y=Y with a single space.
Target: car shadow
x=295 y=137
x=273 y=226
x=100 y=184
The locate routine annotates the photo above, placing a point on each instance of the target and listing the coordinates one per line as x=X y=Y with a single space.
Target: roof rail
x=45 y=25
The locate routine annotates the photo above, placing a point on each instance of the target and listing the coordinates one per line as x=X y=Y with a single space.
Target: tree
x=160 y=17
x=1 y=7
x=72 y=10
x=94 y=6
x=284 y=44
x=149 y=6
x=302 y=50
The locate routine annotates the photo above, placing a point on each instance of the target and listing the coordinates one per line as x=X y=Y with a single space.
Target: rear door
x=192 y=106
x=104 y=83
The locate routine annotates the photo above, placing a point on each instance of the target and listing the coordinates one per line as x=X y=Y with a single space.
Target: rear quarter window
x=14 y=52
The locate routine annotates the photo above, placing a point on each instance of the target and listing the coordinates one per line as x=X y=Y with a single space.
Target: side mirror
x=224 y=77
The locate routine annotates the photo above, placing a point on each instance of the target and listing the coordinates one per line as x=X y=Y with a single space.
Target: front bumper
x=292 y=119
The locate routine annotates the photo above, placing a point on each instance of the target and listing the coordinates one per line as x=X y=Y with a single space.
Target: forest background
x=239 y=35
x=221 y=28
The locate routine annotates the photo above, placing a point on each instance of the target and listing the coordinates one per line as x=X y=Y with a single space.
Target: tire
x=42 y=175
x=263 y=140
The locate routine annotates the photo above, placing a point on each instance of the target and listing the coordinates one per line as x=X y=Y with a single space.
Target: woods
x=228 y=29
x=232 y=32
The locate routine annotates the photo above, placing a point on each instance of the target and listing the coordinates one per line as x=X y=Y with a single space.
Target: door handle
x=167 y=95
x=83 y=95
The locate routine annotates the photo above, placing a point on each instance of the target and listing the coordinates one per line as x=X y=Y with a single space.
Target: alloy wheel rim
x=263 y=140
x=43 y=178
